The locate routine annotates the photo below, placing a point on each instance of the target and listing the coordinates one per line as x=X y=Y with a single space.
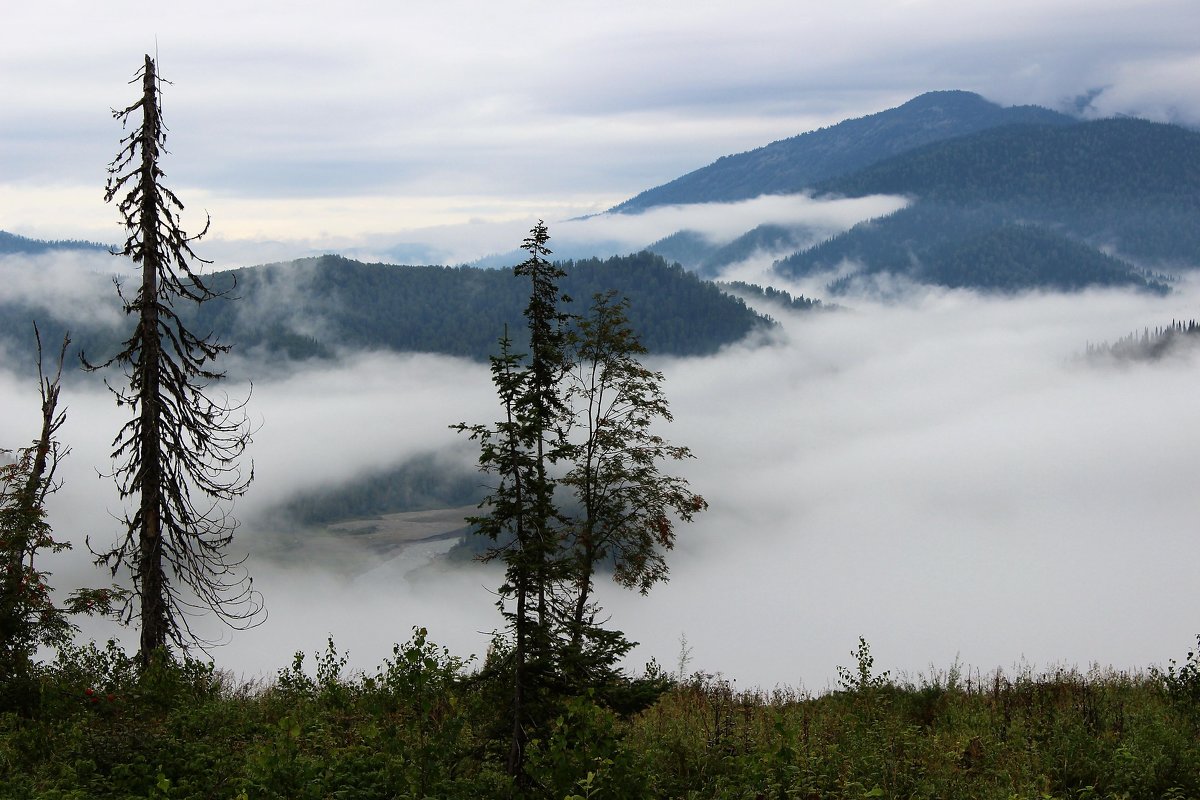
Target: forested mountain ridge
x=800 y=162
x=984 y=247
x=315 y=307
x=1091 y=163
x=1027 y=207
x=462 y=310
x=1000 y=199
x=12 y=243
x=696 y=253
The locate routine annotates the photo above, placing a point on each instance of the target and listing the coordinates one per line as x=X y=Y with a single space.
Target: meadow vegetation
x=428 y=724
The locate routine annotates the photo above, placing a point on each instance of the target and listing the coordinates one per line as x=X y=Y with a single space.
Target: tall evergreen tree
x=179 y=454
x=523 y=519
x=543 y=405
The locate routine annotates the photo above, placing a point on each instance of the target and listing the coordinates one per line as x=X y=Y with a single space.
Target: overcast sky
x=346 y=125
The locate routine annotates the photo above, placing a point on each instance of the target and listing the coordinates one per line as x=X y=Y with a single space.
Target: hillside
x=1090 y=164
x=1000 y=199
x=982 y=247
x=460 y=311
x=792 y=165
x=696 y=253
x=1124 y=183
x=316 y=307
x=12 y=243
x=1029 y=207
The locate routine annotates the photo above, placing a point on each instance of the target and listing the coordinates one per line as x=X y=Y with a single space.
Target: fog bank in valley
x=938 y=474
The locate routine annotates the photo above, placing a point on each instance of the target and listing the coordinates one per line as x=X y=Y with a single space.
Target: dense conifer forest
x=317 y=307
x=1178 y=338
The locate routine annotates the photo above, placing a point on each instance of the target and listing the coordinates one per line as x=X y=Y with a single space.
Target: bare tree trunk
x=150 y=562
x=516 y=749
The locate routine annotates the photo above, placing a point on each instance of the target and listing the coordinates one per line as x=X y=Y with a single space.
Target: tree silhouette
x=179 y=453
x=523 y=519
x=587 y=380
x=625 y=506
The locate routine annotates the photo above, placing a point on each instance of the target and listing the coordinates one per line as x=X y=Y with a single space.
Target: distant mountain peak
x=800 y=162
x=941 y=98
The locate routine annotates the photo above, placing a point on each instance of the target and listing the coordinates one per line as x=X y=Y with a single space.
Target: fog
x=617 y=234
x=938 y=473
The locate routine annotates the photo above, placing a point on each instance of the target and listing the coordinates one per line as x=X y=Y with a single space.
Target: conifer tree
x=584 y=382
x=523 y=519
x=178 y=456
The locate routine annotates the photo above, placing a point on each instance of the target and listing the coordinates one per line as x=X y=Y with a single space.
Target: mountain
x=1090 y=164
x=337 y=302
x=1000 y=199
x=798 y=163
x=316 y=307
x=11 y=243
x=1025 y=207
x=694 y=252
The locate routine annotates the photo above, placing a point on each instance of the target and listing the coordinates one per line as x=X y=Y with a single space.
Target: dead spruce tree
x=178 y=456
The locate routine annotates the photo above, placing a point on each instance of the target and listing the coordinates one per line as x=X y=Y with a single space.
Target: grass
x=425 y=725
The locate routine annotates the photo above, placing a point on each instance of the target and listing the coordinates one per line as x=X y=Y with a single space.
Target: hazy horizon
x=305 y=128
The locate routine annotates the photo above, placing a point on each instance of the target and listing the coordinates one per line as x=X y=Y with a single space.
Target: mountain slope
x=794 y=164
x=1020 y=193
x=318 y=306
x=1092 y=163
x=461 y=311
x=984 y=247
x=12 y=243
x=993 y=193
x=696 y=253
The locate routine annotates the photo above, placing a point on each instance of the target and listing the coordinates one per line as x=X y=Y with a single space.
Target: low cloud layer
x=723 y=222
x=939 y=475
x=64 y=285
x=619 y=234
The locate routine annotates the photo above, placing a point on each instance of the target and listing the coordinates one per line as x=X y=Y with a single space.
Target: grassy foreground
x=425 y=724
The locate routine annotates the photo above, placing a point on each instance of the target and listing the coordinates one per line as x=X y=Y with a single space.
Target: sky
x=308 y=127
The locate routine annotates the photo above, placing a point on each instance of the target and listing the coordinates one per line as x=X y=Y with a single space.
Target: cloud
x=939 y=477
x=407 y=113
x=937 y=474
x=1160 y=86
x=606 y=234
x=64 y=285
x=723 y=222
